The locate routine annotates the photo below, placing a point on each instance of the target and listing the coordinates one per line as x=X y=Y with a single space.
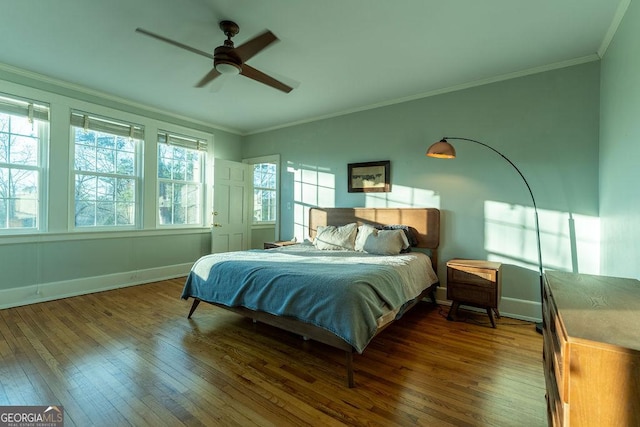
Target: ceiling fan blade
x=208 y=77
x=255 y=45
x=173 y=42
x=261 y=77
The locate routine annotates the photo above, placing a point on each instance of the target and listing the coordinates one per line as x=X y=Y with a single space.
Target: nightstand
x=278 y=244
x=475 y=283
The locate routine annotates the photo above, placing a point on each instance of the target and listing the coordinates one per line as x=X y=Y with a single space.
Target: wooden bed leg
x=196 y=301
x=349 y=358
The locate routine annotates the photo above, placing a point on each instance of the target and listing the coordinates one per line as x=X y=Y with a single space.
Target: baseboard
x=509 y=307
x=33 y=294
x=530 y=311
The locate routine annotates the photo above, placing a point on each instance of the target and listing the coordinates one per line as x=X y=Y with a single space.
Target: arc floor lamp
x=443 y=150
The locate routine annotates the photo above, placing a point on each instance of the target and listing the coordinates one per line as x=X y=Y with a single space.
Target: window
x=264 y=192
x=180 y=179
x=106 y=171
x=24 y=134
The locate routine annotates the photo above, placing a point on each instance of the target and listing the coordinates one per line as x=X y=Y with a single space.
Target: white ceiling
x=341 y=55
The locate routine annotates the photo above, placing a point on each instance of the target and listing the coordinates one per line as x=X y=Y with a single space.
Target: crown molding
x=475 y=83
x=91 y=92
x=41 y=78
x=613 y=28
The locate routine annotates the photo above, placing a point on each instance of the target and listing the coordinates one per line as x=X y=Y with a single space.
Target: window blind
x=24 y=108
x=181 y=141
x=100 y=124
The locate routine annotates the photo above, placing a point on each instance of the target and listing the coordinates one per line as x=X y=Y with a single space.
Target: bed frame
x=425 y=221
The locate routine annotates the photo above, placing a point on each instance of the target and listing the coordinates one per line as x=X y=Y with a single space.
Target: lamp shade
x=442 y=150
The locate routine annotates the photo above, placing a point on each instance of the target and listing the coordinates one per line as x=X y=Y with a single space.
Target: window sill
x=260 y=225
x=94 y=234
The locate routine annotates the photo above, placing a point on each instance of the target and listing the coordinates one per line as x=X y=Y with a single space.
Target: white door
x=231 y=191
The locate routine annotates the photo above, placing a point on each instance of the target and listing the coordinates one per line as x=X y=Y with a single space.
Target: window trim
x=275 y=159
x=38 y=112
x=187 y=142
x=117 y=127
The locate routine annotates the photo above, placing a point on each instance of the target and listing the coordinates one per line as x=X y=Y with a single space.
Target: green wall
x=29 y=263
x=620 y=150
x=546 y=123
x=60 y=261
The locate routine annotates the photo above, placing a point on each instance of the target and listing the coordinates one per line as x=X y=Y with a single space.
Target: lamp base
x=539 y=327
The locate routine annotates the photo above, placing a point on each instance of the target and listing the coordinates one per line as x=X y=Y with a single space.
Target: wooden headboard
x=426 y=221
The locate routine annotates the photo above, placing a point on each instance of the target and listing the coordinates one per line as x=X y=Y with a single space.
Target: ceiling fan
x=228 y=59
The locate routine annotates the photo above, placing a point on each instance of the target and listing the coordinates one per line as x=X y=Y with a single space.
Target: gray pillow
x=386 y=242
x=409 y=231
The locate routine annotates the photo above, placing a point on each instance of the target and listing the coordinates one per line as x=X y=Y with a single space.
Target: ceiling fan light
x=227 y=68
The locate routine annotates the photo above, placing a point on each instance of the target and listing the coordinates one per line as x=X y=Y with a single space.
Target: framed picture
x=369 y=177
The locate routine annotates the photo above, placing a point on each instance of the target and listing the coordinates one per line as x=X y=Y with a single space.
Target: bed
x=340 y=297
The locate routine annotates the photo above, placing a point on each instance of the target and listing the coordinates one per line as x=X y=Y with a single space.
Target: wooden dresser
x=591 y=349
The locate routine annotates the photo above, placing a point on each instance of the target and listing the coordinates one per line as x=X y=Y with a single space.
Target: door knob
x=217 y=224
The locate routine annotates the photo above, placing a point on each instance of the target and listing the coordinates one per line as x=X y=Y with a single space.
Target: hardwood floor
x=131 y=357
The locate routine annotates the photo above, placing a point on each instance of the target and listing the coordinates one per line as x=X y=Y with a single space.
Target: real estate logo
x=31 y=416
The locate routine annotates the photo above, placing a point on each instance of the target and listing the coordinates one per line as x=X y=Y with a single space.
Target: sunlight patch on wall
x=570 y=242
x=312 y=186
x=316 y=186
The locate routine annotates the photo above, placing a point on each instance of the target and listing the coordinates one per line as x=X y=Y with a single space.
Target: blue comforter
x=344 y=299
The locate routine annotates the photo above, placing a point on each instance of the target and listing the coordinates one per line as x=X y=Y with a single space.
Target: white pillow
x=386 y=242
x=331 y=237
x=364 y=231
